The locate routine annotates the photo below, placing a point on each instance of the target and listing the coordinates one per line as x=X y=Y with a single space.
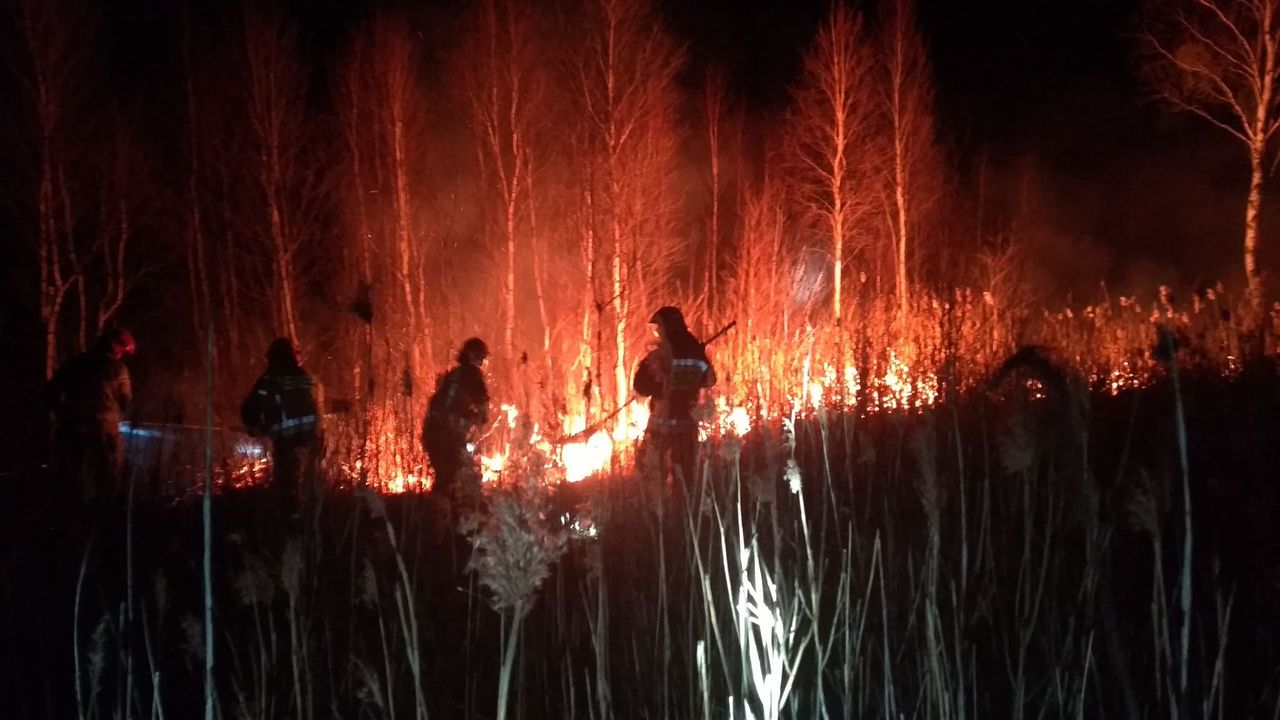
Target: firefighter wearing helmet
x=88 y=397
x=285 y=405
x=673 y=376
x=459 y=405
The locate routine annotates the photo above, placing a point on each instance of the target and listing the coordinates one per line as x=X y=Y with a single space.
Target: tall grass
x=1017 y=548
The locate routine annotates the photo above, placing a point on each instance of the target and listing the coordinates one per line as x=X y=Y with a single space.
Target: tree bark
x=1251 y=212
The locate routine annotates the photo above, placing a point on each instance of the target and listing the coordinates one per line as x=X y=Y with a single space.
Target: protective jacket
x=674 y=379
x=91 y=389
x=285 y=405
x=459 y=405
x=460 y=402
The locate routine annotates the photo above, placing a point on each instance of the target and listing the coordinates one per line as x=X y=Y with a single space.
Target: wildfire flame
x=812 y=372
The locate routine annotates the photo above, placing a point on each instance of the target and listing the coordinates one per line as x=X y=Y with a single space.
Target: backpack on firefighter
x=282 y=407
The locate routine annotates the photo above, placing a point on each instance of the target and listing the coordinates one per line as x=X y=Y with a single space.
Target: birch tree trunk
x=916 y=163
x=53 y=42
x=830 y=120
x=626 y=90
x=1217 y=60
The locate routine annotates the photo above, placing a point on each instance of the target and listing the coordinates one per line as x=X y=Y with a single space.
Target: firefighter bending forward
x=673 y=376
x=88 y=396
x=285 y=405
x=459 y=405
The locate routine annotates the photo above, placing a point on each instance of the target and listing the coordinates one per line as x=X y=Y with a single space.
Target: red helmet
x=119 y=342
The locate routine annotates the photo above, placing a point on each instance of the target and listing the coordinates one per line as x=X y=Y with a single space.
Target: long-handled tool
x=591 y=429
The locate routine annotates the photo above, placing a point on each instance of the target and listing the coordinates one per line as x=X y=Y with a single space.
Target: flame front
x=765 y=379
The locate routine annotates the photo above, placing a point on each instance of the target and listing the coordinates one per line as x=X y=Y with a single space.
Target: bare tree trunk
x=1251 y=211
x=589 y=263
x=509 y=328
x=538 y=280
x=227 y=273
x=283 y=261
x=73 y=259
x=618 y=289
x=52 y=287
x=627 y=93
x=618 y=299
x=404 y=235
x=714 y=105
x=53 y=45
x=197 y=258
x=275 y=118
x=116 y=244
x=830 y=120
x=900 y=249
x=1264 y=125
x=904 y=58
x=355 y=130
x=269 y=175
x=1234 y=76
x=837 y=259
x=840 y=136
x=503 y=87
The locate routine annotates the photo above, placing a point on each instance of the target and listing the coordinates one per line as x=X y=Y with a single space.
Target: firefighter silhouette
x=285 y=405
x=88 y=397
x=673 y=376
x=459 y=405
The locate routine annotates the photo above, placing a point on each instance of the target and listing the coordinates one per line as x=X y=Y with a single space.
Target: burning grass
x=881 y=362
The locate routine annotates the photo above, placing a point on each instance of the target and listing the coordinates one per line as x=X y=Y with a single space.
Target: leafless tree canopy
x=543 y=175
x=1217 y=60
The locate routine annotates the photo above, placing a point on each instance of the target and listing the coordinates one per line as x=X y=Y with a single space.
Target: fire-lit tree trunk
x=505 y=92
x=116 y=277
x=225 y=257
x=399 y=83
x=714 y=101
x=588 y=246
x=759 y=283
x=354 y=120
x=908 y=104
x=1217 y=59
x=53 y=59
x=829 y=133
x=275 y=87
x=383 y=199
x=539 y=278
x=1252 y=209
x=196 y=252
x=626 y=89
x=383 y=114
